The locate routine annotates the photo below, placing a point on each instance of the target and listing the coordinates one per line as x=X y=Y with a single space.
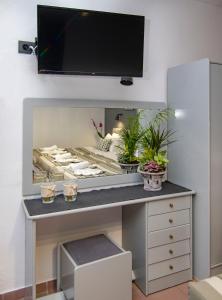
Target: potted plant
x=153 y=160
x=153 y=172
x=130 y=136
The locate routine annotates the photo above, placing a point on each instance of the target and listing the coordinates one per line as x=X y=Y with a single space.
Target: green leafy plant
x=156 y=138
x=131 y=136
x=161 y=160
x=162 y=116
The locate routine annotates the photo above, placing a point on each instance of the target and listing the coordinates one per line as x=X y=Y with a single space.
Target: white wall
x=180 y=31
x=66 y=127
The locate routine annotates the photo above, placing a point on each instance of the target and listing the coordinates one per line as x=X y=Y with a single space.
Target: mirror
x=80 y=143
x=78 y=140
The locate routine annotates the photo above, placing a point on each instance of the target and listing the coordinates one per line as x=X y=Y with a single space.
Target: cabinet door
x=189 y=94
x=216 y=167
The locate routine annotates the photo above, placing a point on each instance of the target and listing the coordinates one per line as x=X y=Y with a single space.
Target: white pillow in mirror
x=114 y=146
x=108 y=136
x=115 y=136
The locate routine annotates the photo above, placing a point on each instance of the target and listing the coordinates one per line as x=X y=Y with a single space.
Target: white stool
x=95 y=268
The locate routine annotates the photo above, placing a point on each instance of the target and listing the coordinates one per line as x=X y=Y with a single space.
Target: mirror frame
x=28 y=187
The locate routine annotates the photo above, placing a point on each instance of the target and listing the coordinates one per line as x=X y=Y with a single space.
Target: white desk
x=89 y=201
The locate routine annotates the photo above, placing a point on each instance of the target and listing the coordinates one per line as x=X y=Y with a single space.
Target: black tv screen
x=73 y=41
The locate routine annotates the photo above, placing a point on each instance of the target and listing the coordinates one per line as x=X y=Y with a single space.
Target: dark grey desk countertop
x=98 y=199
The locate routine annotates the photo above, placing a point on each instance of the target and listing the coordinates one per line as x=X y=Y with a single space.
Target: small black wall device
x=126 y=81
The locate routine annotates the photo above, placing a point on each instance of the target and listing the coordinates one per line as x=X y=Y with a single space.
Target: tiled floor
x=179 y=292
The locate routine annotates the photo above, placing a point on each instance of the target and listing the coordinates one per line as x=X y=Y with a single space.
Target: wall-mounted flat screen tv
x=84 y=42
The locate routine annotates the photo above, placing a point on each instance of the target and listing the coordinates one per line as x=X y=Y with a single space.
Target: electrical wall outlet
x=23 y=47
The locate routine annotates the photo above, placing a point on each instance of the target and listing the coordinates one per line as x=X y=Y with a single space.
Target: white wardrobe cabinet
x=195 y=92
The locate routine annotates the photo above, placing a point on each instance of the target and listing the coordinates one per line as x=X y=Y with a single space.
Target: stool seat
x=92 y=248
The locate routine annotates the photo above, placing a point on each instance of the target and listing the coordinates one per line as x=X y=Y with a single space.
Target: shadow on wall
x=52 y=231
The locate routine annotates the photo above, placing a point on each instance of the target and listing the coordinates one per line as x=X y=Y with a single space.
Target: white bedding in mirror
x=71 y=163
x=107 y=154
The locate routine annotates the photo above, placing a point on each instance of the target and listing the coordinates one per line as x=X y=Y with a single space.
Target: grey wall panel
x=135 y=240
x=30 y=259
x=188 y=93
x=216 y=165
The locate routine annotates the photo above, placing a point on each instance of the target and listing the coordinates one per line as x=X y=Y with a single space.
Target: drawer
x=168 y=220
x=169 y=281
x=170 y=235
x=166 y=252
x=168 y=205
x=168 y=267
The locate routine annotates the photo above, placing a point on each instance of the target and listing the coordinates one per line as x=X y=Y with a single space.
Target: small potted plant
x=153 y=172
x=130 y=136
x=153 y=159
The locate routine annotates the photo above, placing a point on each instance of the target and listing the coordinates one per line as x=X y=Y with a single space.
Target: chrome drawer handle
x=171 y=221
x=171 y=205
x=171 y=236
x=171 y=251
x=171 y=267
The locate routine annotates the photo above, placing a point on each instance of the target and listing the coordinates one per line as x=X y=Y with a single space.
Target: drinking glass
x=48 y=192
x=70 y=191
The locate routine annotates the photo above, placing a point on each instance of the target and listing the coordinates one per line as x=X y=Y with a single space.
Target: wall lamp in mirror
x=119 y=123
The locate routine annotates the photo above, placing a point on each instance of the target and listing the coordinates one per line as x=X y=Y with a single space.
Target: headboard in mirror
x=70 y=139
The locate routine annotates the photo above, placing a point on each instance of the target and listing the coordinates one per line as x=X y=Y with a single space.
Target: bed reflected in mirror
x=78 y=143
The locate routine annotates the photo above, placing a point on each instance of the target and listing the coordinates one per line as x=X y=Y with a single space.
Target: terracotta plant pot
x=152 y=181
x=129 y=168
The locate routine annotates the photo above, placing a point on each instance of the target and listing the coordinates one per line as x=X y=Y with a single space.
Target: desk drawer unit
x=160 y=237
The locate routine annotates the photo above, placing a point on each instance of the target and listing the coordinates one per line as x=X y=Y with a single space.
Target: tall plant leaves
x=155 y=137
x=162 y=116
x=131 y=136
